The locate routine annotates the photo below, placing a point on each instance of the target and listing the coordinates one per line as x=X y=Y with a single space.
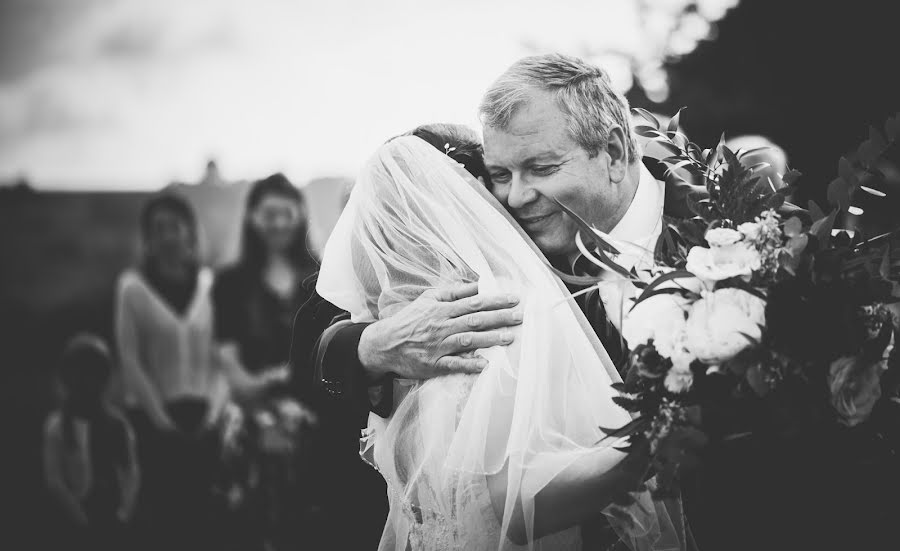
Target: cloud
x=129 y=90
x=133 y=41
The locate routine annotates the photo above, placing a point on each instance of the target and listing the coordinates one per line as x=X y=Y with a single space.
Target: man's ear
x=617 y=149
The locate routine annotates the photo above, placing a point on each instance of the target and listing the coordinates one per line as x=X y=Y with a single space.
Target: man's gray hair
x=583 y=92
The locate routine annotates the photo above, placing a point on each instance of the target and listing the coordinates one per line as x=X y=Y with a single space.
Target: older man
x=553 y=128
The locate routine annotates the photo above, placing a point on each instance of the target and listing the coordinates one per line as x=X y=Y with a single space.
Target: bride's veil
x=417 y=220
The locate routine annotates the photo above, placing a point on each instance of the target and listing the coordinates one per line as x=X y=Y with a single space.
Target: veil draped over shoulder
x=417 y=220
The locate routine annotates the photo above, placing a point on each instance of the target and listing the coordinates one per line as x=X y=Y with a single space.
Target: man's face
x=535 y=160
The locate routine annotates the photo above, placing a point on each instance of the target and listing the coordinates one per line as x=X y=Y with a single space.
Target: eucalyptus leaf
x=793 y=227
x=646 y=131
x=677 y=274
x=822 y=228
x=632 y=427
x=747 y=152
x=839 y=193
x=868 y=152
x=673 y=122
x=648 y=116
x=846 y=172
x=815 y=212
x=758 y=166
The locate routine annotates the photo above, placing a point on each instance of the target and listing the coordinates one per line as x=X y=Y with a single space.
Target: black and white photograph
x=497 y=275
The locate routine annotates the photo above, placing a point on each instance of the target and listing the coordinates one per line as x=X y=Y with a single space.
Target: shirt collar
x=644 y=213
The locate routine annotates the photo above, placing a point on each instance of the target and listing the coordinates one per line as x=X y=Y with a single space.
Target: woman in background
x=90 y=463
x=256 y=298
x=255 y=302
x=163 y=329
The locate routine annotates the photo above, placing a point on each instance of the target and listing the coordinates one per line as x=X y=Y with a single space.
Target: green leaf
x=868 y=152
x=745 y=152
x=646 y=131
x=846 y=172
x=791 y=176
x=585 y=228
x=680 y=164
x=580 y=281
x=676 y=159
x=839 y=193
x=668 y=146
x=673 y=122
x=822 y=227
x=648 y=116
x=757 y=380
x=758 y=166
x=716 y=151
x=656 y=292
x=634 y=426
x=793 y=227
x=815 y=212
x=695 y=152
x=600 y=244
x=775 y=201
x=875 y=172
x=797 y=244
x=677 y=274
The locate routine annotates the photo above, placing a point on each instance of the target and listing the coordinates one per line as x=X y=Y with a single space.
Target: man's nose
x=520 y=194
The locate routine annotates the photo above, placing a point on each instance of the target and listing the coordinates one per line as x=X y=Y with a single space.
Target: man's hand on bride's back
x=435 y=334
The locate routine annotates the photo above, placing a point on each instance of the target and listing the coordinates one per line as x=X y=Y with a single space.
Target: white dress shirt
x=635 y=237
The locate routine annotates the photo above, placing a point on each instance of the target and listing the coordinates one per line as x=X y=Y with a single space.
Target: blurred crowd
x=193 y=430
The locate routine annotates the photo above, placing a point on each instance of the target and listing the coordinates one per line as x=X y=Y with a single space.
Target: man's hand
x=436 y=333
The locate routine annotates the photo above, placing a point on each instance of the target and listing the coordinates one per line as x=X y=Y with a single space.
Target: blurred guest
x=90 y=462
x=164 y=330
x=255 y=302
x=256 y=298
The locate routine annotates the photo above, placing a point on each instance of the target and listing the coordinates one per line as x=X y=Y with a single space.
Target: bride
x=510 y=457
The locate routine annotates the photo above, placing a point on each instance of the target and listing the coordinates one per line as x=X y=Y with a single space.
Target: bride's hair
x=459 y=142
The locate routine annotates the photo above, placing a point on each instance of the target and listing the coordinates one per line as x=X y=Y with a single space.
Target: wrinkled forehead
x=537 y=131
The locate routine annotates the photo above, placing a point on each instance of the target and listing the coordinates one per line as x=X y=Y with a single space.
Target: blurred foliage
x=808 y=75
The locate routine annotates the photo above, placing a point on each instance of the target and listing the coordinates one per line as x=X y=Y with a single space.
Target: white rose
x=723 y=237
x=719 y=324
x=751 y=305
x=750 y=230
x=682 y=358
x=678 y=380
x=730 y=254
x=718 y=263
x=661 y=318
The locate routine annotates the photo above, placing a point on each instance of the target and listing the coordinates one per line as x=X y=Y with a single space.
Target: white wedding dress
x=417 y=220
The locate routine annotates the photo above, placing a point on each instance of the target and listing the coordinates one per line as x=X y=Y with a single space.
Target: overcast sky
x=137 y=93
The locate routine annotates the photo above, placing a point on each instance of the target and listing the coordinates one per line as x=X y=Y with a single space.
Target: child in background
x=90 y=464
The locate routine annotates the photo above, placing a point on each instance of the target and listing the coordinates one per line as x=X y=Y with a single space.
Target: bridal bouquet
x=758 y=317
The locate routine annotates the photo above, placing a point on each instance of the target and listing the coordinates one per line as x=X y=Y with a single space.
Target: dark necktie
x=595 y=312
